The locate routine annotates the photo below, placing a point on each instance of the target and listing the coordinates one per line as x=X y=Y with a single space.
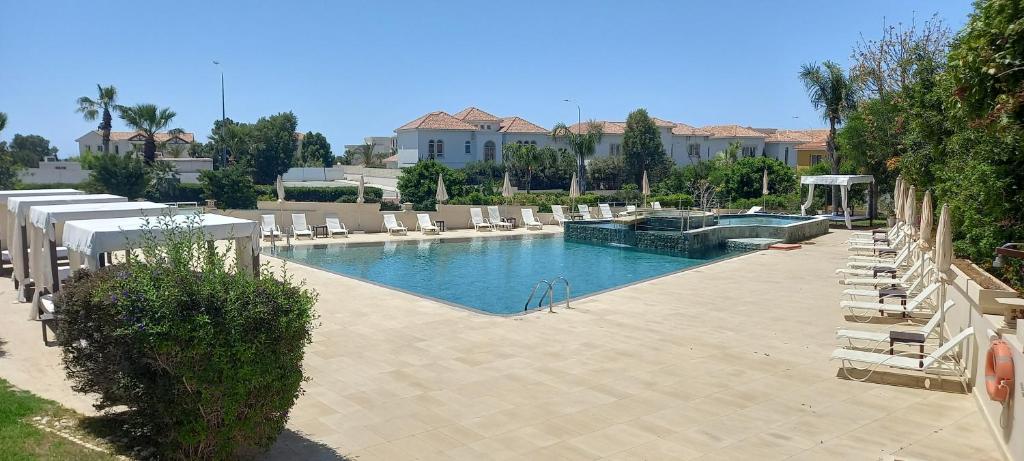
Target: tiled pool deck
x=726 y=361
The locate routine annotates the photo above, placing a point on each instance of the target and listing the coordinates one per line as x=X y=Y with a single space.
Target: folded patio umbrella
x=442 y=193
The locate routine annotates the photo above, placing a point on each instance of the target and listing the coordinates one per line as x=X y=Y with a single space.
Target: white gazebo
x=17 y=220
x=843 y=181
x=45 y=226
x=5 y=194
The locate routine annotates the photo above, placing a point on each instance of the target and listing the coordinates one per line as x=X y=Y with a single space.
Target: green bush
x=53 y=185
x=231 y=187
x=745 y=178
x=673 y=200
x=124 y=175
x=323 y=194
x=184 y=192
x=418 y=183
x=789 y=203
x=206 y=362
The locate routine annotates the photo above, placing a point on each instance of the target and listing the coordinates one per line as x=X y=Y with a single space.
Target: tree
x=104 y=104
x=231 y=187
x=607 y=172
x=29 y=150
x=316 y=151
x=366 y=155
x=3 y=121
x=886 y=65
x=522 y=160
x=731 y=153
x=418 y=183
x=642 y=149
x=583 y=142
x=744 y=179
x=272 y=146
x=116 y=174
x=148 y=119
x=834 y=93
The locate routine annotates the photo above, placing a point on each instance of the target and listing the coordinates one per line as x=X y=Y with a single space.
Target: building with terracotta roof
x=132 y=141
x=469 y=135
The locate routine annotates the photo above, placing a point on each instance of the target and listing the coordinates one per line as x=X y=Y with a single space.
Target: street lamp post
x=223 y=117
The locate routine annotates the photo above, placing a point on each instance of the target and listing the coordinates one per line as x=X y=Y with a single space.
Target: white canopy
x=5 y=194
x=16 y=216
x=838 y=179
x=94 y=237
x=844 y=182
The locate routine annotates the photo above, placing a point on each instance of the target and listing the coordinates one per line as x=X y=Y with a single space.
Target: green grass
x=20 y=440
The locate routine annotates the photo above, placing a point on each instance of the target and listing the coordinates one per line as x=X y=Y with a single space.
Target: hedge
x=322 y=194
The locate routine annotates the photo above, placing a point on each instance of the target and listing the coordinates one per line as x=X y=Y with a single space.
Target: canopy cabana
x=843 y=181
x=87 y=240
x=45 y=226
x=5 y=194
x=17 y=219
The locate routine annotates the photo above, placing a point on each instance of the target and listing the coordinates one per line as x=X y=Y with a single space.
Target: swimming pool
x=492 y=275
x=760 y=220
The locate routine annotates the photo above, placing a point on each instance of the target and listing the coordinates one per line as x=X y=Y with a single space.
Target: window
x=469 y=149
x=440 y=147
x=533 y=143
x=693 y=150
x=490 y=152
x=117 y=150
x=815 y=159
x=88 y=147
x=787 y=156
x=614 y=149
x=430 y=147
x=749 y=151
x=488 y=127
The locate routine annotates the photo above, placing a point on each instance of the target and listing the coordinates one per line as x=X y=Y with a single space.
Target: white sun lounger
x=754 y=210
x=630 y=210
x=335 y=226
x=494 y=217
x=656 y=205
x=299 y=226
x=425 y=225
x=476 y=218
x=558 y=214
x=915 y=305
x=393 y=225
x=904 y=279
x=584 y=212
x=529 y=221
x=942 y=361
x=880 y=339
x=268 y=227
x=873 y=292
x=901 y=260
x=606 y=211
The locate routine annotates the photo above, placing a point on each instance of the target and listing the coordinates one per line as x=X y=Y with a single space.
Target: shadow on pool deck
x=294 y=445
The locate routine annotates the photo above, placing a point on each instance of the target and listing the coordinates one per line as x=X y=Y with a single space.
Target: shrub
x=606 y=173
x=231 y=187
x=53 y=185
x=775 y=202
x=124 y=175
x=323 y=194
x=744 y=179
x=418 y=183
x=206 y=361
x=184 y=192
x=673 y=200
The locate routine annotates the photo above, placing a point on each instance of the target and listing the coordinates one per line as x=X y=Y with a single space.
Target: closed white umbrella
x=442 y=192
x=910 y=211
x=574 y=191
x=764 y=182
x=645 y=188
x=943 y=260
x=897 y=201
x=280 y=188
x=360 y=198
x=506 y=188
x=924 y=230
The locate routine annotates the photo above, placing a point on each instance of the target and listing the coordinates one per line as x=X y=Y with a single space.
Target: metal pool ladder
x=549 y=293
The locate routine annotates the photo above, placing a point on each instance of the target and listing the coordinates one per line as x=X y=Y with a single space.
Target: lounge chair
x=476 y=218
x=425 y=225
x=942 y=361
x=868 y=277
x=606 y=211
x=299 y=226
x=880 y=339
x=630 y=210
x=529 y=221
x=393 y=225
x=558 y=215
x=916 y=305
x=268 y=227
x=656 y=205
x=910 y=284
x=335 y=226
x=754 y=210
x=494 y=217
x=584 y=212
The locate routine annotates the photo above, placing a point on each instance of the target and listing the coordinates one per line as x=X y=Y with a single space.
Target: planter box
x=985 y=298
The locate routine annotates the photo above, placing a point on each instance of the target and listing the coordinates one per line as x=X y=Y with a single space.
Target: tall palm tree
x=583 y=143
x=835 y=93
x=525 y=159
x=3 y=121
x=148 y=119
x=105 y=103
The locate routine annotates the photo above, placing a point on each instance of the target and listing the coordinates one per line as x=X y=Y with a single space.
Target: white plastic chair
x=268 y=227
x=335 y=226
x=584 y=212
x=630 y=210
x=299 y=226
x=476 y=218
x=606 y=211
x=656 y=205
x=494 y=217
x=558 y=214
x=530 y=221
x=425 y=225
x=393 y=225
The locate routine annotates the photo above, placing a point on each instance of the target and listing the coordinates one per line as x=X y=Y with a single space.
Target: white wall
x=777 y=150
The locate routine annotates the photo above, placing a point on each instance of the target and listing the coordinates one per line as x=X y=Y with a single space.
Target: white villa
x=474 y=135
x=129 y=141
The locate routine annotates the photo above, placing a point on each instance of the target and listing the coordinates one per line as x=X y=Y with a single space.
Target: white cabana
x=87 y=240
x=17 y=221
x=45 y=224
x=843 y=181
x=5 y=194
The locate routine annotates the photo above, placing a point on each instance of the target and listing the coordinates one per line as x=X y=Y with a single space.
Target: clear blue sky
x=353 y=69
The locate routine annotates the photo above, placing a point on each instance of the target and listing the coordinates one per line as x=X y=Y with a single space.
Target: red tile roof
x=662 y=123
x=732 y=131
x=437 y=120
x=682 y=129
x=160 y=137
x=520 y=125
x=606 y=126
x=475 y=115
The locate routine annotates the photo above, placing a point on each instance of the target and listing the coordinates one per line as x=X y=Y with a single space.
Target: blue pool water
x=493 y=275
x=759 y=220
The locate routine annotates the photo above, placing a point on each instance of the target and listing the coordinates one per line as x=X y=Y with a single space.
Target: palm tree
x=583 y=144
x=148 y=119
x=834 y=93
x=105 y=102
x=3 y=121
x=527 y=158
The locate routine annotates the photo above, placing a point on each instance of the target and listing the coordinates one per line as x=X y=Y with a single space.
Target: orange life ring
x=999 y=370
